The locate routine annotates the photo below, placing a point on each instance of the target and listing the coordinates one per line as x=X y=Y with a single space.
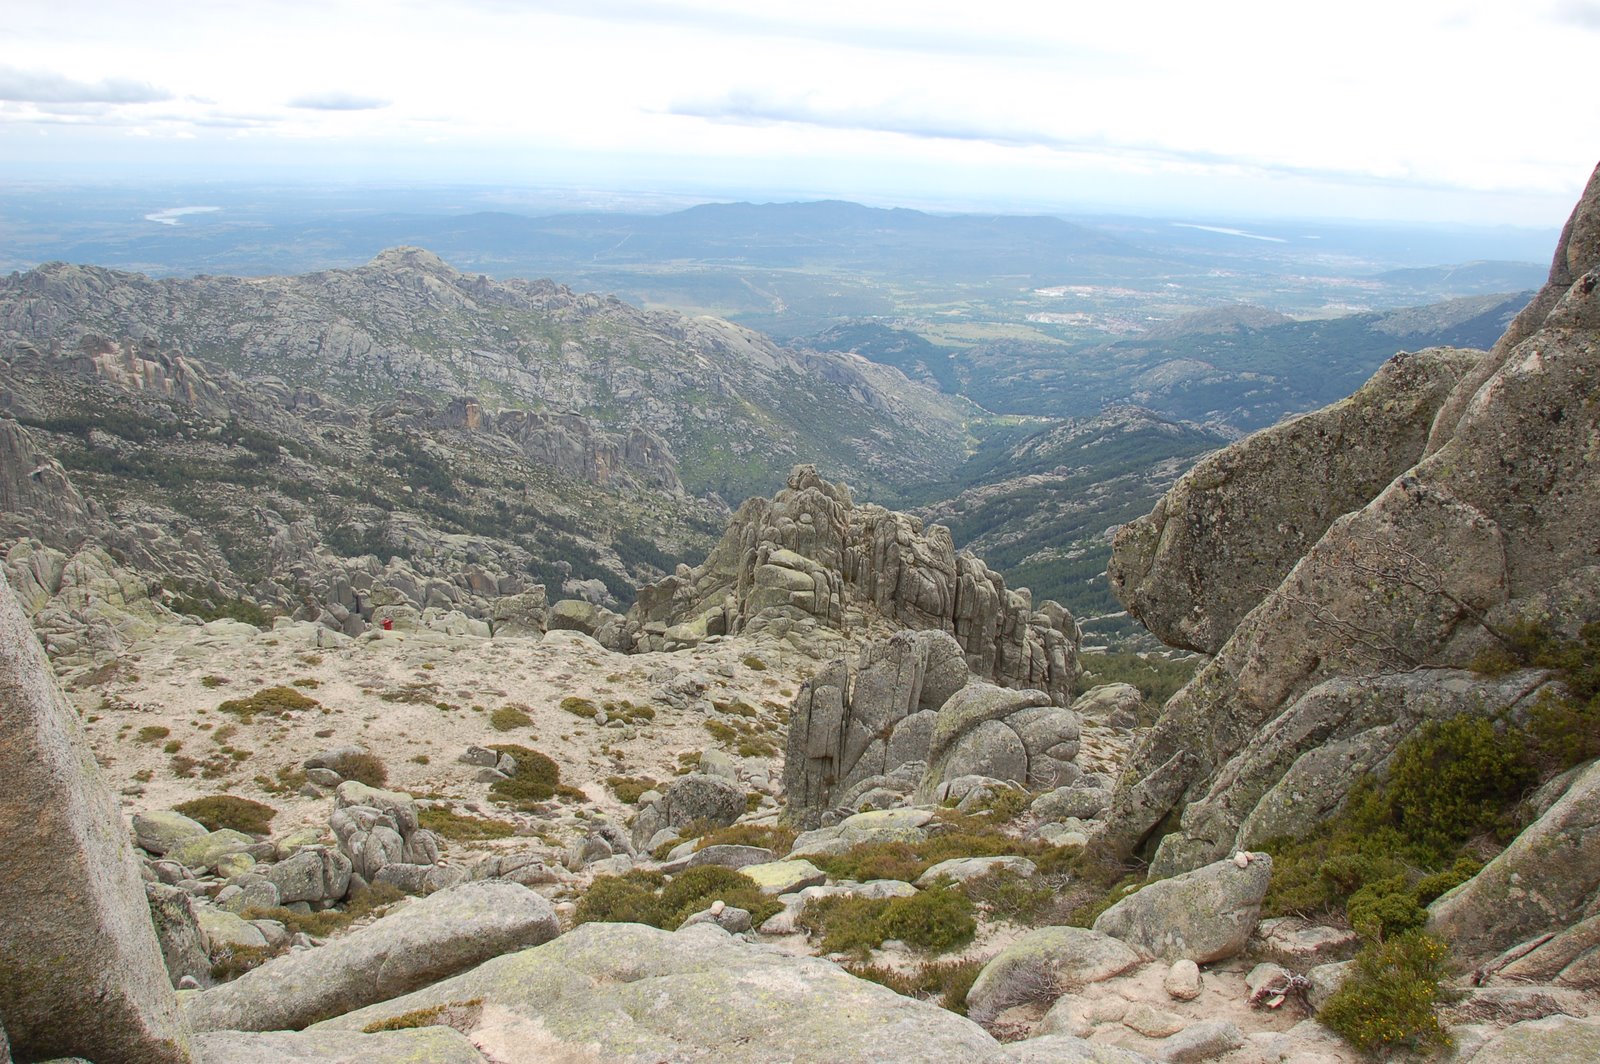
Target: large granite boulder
x=630 y=994
x=700 y=796
x=1205 y=915
x=81 y=971
x=1494 y=523
x=423 y=942
x=810 y=563
x=436 y=1044
x=1043 y=964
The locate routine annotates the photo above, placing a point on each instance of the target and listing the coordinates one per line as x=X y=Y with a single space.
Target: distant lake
x=171 y=215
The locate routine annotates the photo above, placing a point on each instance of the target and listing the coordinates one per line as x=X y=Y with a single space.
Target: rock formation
x=93 y=985
x=1265 y=501
x=1341 y=659
x=907 y=717
x=809 y=562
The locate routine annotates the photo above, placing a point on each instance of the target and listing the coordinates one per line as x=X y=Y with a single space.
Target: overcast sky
x=1408 y=109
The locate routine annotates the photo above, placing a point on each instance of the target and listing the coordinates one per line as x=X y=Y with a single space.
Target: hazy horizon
x=1436 y=112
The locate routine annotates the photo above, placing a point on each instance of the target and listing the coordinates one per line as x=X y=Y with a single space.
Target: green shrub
x=152 y=733
x=269 y=701
x=936 y=919
x=536 y=780
x=694 y=889
x=1388 y=999
x=325 y=922
x=450 y=824
x=230 y=962
x=646 y=898
x=1385 y=908
x=626 y=899
x=509 y=718
x=362 y=767
x=218 y=811
x=755 y=663
x=1449 y=782
x=1008 y=896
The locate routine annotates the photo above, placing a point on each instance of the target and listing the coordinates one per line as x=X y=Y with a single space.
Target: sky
x=1450 y=112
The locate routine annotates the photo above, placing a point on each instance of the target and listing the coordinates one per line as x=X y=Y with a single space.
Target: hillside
x=735 y=409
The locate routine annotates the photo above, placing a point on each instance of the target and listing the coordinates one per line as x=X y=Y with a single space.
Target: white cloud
x=338 y=101
x=48 y=87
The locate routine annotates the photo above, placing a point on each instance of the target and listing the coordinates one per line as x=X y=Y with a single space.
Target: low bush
x=537 y=778
x=218 y=811
x=629 y=788
x=1388 y=999
x=778 y=838
x=362 y=767
x=946 y=983
x=152 y=733
x=642 y=897
x=935 y=920
x=329 y=921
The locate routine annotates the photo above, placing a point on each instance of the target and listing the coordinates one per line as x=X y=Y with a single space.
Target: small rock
x=1203 y=1041
x=1153 y=1022
x=1182 y=981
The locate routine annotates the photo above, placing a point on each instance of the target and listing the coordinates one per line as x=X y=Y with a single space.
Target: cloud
x=747 y=107
x=338 y=101
x=44 y=86
x=1582 y=13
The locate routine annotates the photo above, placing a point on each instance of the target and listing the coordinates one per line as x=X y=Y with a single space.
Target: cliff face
x=1490 y=520
x=809 y=564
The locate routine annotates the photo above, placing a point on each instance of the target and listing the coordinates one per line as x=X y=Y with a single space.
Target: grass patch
x=509 y=718
x=269 y=701
x=745 y=737
x=629 y=788
x=449 y=824
x=152 y=733
x=218 y=811
x=451 y=1014
x=328 y=921
x=580 y=707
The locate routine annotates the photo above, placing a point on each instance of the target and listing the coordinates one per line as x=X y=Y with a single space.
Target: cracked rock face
x=1494 y=524
x=810 y=563
x=907 y=717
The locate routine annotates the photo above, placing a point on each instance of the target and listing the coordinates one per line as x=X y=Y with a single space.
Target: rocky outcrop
x=809 y=562
x=93 y=985
x=1493 y=524
x=426 y=941
x=1043 y=964
x=1266 y=500
x=36 y=497
x=907 y=717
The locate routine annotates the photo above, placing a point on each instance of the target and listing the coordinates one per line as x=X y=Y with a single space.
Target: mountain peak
x=411 y=258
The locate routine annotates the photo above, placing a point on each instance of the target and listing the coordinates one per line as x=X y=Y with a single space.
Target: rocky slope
x=1477 y=518
x=735 y=409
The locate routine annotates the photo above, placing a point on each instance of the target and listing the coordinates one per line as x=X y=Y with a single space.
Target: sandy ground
x=416 y=699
